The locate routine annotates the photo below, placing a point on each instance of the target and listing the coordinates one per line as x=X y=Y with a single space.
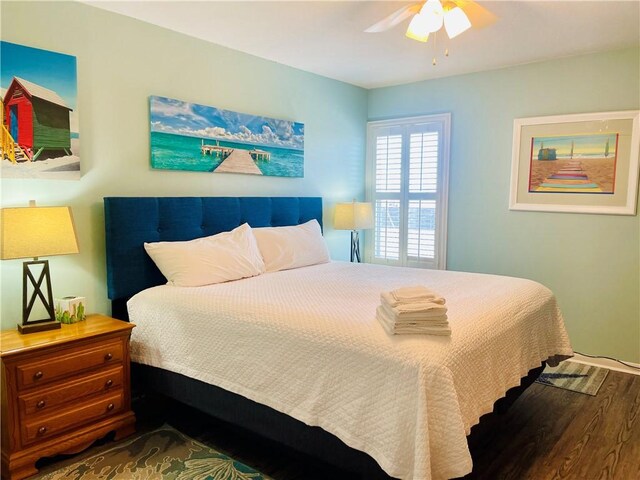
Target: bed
x=298 y=355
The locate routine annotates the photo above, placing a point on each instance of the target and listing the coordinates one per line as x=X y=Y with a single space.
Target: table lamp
x=354 y=216
x=32 y=232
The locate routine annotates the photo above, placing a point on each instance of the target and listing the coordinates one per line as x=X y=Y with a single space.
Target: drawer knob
x=38 y=375
x=42 y=430
x=41 y=404
x=110 y=406
x=108 y=356
x=108 y=383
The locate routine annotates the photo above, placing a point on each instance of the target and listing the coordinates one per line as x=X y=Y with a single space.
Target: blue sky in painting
x=587 y=145
x=51 y=70
x=193 y=120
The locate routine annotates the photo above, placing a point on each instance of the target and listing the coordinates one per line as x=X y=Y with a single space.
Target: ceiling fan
x=456 y=15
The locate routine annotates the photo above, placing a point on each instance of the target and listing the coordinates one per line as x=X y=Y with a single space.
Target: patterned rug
x=163 y=454
x=574 y=376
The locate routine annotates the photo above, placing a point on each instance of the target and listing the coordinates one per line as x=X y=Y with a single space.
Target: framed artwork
x=40 y=136
x=188 y=136
x=583 y=163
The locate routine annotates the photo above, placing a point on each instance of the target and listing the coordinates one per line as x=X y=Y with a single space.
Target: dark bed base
x=277 y=426
x=256 y=418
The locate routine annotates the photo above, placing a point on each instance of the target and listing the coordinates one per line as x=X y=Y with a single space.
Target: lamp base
x=355 y=246
x=28 y=301
x=38 y=326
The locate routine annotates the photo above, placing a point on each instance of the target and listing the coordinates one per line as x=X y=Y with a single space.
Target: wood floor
x=549 y=433
x=556 y=434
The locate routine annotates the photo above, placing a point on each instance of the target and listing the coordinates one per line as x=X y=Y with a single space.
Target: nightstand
x=62 y=390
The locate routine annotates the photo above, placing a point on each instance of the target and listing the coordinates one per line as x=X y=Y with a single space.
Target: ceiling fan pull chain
x=435 y=48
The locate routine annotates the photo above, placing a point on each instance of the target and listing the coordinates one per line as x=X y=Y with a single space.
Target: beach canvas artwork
x=40 y=135
x=579 y=164
x=188 y=136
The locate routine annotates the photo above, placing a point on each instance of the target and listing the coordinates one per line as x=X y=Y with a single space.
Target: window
x=407 y=165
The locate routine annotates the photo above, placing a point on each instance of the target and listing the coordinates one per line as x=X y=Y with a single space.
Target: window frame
x=441 y=196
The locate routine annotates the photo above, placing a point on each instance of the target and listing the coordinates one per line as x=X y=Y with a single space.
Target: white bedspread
x=306 y=342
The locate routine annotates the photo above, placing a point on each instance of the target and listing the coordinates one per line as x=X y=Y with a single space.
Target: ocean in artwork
x=200 y=138
x=179 y=152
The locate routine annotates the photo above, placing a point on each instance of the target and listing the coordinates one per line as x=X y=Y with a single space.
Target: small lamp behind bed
x=354 y=216
x=32 y=232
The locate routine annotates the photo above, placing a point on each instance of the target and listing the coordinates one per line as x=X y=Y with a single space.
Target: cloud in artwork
x=181 y=118
x=175 y=109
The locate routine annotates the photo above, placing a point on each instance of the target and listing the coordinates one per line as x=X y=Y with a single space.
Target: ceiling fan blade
x=395 y=18
x=478 y=15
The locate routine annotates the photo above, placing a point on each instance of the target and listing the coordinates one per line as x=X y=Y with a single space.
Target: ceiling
x=327 y=38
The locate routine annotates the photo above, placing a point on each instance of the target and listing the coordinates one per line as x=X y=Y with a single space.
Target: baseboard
x=606 y=363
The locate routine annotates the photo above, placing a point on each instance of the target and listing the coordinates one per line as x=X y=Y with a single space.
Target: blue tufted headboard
x=131 y=221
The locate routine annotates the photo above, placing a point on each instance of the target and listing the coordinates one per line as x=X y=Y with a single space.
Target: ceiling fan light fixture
x=456 y=22
x=432 y=7
x=433 y=14
x=418 y=28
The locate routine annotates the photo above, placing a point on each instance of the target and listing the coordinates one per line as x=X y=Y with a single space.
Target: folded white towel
x=438 y=331
x=393 y=328
x=414 y=293
x=435 y=322
x=419 y=310
x=391 y=300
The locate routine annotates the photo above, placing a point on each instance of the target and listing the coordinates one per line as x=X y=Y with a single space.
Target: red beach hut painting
x=39 y=134
x=37 y=119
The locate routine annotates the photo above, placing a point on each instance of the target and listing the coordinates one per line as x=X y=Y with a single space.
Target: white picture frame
x=589 y=163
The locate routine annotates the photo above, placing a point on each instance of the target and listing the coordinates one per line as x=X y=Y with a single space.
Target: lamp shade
x=428 y=20
x=432 y=12
x=432 y=7
x=456 y=22
x=353 y=216
x=30 y=232
x=419 y=28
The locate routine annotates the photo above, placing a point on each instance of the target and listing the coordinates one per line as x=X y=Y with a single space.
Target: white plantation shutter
x=407 y=161
x=423 y=162
x=388 y=163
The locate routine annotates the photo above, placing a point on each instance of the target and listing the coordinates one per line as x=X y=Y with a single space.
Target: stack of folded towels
x=413 y=310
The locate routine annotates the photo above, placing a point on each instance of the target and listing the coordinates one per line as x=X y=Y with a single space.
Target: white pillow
x=204 y=261
x=283 y=248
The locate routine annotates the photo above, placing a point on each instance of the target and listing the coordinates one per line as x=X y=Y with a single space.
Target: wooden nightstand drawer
x=56 y=396
x=52 y=367
x=46 y=426
x=62 y=390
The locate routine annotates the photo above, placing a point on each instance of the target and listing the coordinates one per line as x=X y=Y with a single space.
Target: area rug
x=163 y=454
x=574 y=376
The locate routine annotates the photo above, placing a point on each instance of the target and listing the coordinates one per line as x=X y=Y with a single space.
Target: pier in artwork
x=239 y=161
x=236 y=160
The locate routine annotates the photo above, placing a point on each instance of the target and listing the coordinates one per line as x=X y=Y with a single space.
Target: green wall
x=121 y=62
x=591 y=262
